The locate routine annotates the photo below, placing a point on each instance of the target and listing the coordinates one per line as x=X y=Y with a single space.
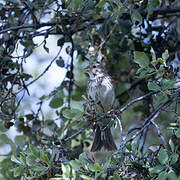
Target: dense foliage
x=138 y=42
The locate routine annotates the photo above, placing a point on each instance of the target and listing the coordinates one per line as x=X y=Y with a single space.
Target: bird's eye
x=94 y=66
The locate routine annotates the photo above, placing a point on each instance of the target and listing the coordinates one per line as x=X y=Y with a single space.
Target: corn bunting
x=100 y=89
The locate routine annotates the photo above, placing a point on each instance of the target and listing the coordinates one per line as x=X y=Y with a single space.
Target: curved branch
x=136 y=100
x=47 y=68
x=151 y=119
x=158 y=11
x=36 y=26
x=77 y=133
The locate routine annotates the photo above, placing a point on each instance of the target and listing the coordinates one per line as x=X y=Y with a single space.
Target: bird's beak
x=87 y=70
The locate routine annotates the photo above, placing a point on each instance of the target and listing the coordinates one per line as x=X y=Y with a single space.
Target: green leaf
x=20 y=141
x=162 y=176
x=152 y=4
x=174 y=158
x=160 y=99
x=98 y=167
x=56 y=102
x=172 y=175
x=116 y=176
x=85 y=177
x=156 y=169
x=101 y=4
x=167 y=84
x=107 y=163
x=15 y=160
x=78 y=116
x=128 y=146
x=171 y=145
x=153 y=54
x=66 y=170
x=153 y=86
x=70 y=113
x=30 y=160
x=2 y=128
x=165 y=55
x=33 y=150
x=60 y=63
x=29 y=116
x=23 y=159
x=5 y=140
x=44 y=157
x=136 y=17
x=177 y=133
x=141 y=59
x=40 y=168
x=163 y=156
x=92 y=168
x=18 y=171
x=84 y=159
x=60 y=41
x=75 y=4
x=76 y=164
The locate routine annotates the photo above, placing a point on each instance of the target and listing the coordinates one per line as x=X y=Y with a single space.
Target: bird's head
x=95 y=70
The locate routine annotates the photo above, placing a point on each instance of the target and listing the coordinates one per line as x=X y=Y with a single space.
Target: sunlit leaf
x=20 y=141
x=162 y=176
x=177 y=133
x=156 y=169
x=40 y=168
x=4 y=139
x=83 y=176
x=141 y=59
x=163 y=156
x=56 y=102
x=101 y=3
x=172 y=175
x=153 y=86
x=174 y=158
x=76 y=164
x=116 y=176
x=165 y=55
x=18 y=171
x=136 y=17
x=171 y=145
x=153 y=54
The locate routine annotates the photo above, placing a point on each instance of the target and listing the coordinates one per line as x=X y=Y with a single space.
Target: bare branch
x=47 y=68
x=159 y=133
x=151 y=118
x=36 y=26
x=137 y=99
x=78 y=132
x=71 y=81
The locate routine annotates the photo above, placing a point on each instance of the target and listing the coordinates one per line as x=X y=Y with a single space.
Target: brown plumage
x=101 y=89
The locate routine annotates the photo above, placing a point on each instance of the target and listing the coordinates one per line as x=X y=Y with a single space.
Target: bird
x=101 y=90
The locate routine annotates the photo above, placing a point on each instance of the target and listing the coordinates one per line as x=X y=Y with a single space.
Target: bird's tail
x=103 y=139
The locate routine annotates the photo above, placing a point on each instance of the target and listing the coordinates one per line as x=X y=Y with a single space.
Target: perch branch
x=151 y=119
x=78 y=132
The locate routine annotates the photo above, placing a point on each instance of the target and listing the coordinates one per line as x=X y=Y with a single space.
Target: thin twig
x=39 y=109
x=159 y=133
x=28 y=26
x=71 y=81
x=107 y=37
x=151 y=118
x=18 y=104
x=138 y=99
x=78 y=132
x=47 y=68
